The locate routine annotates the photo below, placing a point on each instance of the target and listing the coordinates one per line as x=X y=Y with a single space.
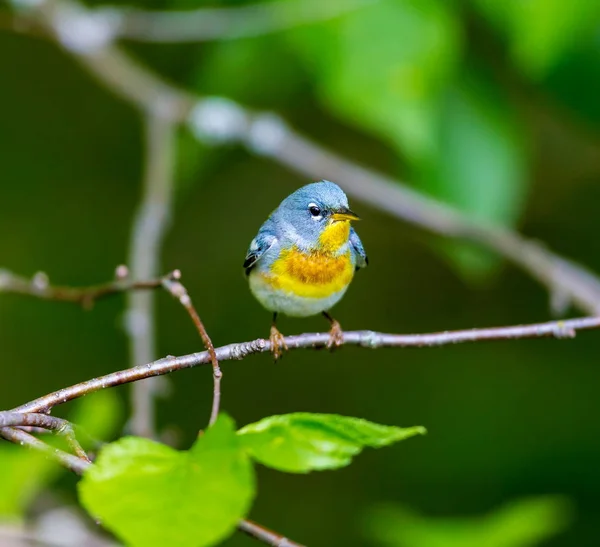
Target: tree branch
x=39 y=287
x=61 y=427
x=265 y=535
x=365 y=338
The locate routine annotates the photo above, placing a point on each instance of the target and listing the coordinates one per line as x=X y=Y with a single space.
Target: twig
x=225 y=23
x=62 y=427
x=265 y=535
x=219 y=120
x=149 y=227
x=174 y=286
x=78 y=466
x=366 y=339
x=39 y=287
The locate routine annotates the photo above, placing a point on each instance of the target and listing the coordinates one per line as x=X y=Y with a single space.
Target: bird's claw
x=336 y=336
x=278 y=345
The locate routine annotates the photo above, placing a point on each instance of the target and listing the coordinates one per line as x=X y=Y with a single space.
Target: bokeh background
x=490 y=106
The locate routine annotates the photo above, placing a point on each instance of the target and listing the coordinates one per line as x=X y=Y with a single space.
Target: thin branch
x=149 y=227
x=365 y=339
x=265 y=535
x=173 y=285
x=219 y=120
x=43 y=421
x=39 y=286
x=226 y=23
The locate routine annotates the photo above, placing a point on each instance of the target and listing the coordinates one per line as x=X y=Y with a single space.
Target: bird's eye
x=315 y=210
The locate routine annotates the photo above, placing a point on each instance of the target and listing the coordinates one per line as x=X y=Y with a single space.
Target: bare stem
x=149 y=227
x=265 y=535
x=39 y=287
x=366 y=339
x=174 y=286
x=45 y=422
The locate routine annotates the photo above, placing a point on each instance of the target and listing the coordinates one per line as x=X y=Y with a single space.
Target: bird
x=304 y=257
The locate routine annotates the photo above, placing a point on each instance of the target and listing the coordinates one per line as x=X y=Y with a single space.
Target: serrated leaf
x=521 y=523
x=303 y=442
x=149 y=494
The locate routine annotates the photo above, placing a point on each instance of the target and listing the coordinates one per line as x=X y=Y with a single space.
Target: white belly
x=288 y=303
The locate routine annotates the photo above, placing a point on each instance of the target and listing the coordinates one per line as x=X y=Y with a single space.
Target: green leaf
x=302 y=442
x=384 y=68
x=522 y=523
x=149 y=494
x=481 y=165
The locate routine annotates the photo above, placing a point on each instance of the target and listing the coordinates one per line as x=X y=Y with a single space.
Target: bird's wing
x=263 y=241
x=361 y=256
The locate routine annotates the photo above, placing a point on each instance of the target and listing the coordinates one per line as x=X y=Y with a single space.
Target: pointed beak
x=344 y=214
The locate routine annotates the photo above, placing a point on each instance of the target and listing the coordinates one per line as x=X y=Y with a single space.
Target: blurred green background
x=489 y=105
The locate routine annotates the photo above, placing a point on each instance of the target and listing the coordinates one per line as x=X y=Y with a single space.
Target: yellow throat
x=334 y=236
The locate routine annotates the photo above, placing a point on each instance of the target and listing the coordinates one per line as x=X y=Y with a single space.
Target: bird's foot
x=336 y=336
x=278 y=345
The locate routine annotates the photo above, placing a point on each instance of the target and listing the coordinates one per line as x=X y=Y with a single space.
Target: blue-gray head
x=310 y=210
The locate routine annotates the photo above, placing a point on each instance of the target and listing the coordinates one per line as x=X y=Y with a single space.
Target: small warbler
x=304 y=256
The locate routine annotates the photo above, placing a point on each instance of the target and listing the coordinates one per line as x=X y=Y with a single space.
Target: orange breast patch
x=313 y=275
